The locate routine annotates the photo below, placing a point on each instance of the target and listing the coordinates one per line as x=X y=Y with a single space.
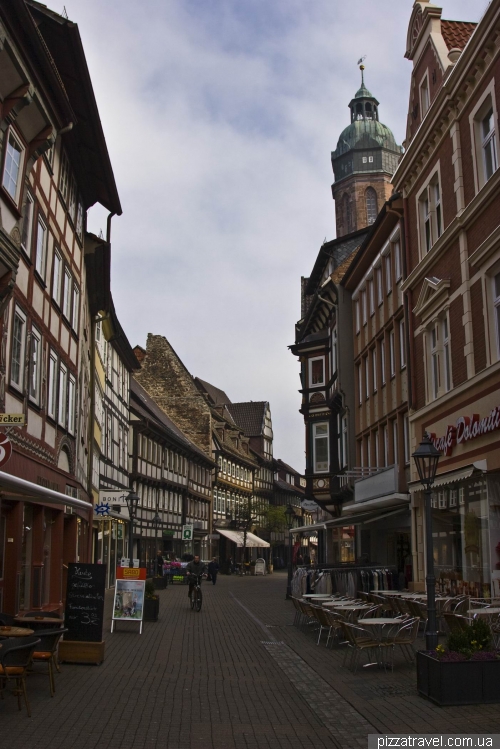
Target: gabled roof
x=148 y=408
x=85 y=142
x=286 y=487
x=281 y=464
x=249 y=416
x=456 y=34
x=337 y=250
x=216 y=396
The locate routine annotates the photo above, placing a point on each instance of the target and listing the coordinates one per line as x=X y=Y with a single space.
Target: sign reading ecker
x=17 y=420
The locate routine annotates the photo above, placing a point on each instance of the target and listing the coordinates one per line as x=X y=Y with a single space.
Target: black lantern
x=132 y=500
x=426 y=458
x=290 y=516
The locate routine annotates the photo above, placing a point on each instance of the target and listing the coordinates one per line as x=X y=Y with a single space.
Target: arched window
x=371 y=205
x=359 y=111
x=346 y=213
x=368 y=110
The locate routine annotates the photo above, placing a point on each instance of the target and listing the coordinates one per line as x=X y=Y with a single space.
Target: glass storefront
x=110 y=546
x=466 y=526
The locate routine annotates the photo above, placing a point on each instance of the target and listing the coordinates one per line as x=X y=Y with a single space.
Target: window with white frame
x=67 y=287
x=488 y=144
x=396 y=248
x=52 y=385
x=63 y=379
x=369 y=451
x=395 y=440
x=41 y=247
x=439 y=375
x=380 y=289
x=334 y=351
x=382 y=361
x=431 y=214
x=367 y=377
x=14 y=156
x=388 y=274
x=35 y=364
x=72 y=405
x=344 y=440
x=28 y=223
x=18 y=349
x=386 y=445
x=364 y=306
x=317 y=371
x=64 y=176
x=360 y=385
x=484 y=132
x=377 y=448
x=56 y=278
x=406 y=438
x=76 y=310
x=371 y=292
x=357 y=315
x=424 y=95
x=392 y=354
x=374 y=369
x=402 y=345
x=496 y=307
x=321 y=447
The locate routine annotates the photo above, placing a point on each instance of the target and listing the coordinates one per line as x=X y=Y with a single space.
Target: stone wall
x=167 y=380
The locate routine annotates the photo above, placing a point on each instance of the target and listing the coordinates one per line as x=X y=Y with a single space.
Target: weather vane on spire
x=362 y=67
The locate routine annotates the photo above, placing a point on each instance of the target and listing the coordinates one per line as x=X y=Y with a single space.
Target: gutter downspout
x=408 y=307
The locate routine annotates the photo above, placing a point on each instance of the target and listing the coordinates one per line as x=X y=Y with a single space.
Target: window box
x=461 y=683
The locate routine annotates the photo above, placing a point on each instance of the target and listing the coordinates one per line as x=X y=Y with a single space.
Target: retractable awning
x=237 y=538
x=451 y=477
x=40 y=494
x=366 y=517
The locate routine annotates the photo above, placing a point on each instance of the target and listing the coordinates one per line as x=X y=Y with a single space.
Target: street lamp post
x=132 y=501
x=156 y=524
x=290 y=515
x=426 y=458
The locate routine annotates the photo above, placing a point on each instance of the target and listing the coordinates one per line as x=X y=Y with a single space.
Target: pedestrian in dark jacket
x=213 y=569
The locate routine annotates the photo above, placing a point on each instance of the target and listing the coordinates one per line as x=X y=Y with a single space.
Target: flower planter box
x=151 y=609
x=459 y=683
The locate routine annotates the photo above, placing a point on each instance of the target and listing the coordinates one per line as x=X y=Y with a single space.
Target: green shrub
x=150 y=589
x=476 y=636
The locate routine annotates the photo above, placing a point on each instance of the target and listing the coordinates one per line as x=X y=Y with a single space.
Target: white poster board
x=260 y=566
x=128 y=605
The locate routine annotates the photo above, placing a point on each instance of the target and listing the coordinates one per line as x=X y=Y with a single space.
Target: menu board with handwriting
x=84 y=613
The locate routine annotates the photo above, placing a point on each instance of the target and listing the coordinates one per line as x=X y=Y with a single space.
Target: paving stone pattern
x=221 y=679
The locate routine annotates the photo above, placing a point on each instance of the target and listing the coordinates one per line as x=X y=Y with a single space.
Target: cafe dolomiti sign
x=467 y=428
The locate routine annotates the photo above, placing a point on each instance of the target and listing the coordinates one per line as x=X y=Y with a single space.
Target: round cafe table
x=492 y=611
x=42 y=622
x=16 y=632
x=325 y=596
x=378 y=624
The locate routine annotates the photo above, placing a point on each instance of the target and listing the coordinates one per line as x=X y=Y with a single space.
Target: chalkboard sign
x=84 y=612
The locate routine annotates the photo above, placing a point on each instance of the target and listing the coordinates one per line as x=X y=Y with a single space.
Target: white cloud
x=220 y=118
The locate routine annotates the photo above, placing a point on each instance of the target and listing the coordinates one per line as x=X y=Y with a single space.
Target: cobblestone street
x=236 y=675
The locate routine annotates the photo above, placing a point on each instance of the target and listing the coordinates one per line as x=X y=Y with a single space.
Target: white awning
x=450 y=477
x=40 y=494
x=237 y=538
x=378 y=503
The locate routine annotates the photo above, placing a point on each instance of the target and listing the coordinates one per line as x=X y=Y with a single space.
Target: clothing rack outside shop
x=345 y=580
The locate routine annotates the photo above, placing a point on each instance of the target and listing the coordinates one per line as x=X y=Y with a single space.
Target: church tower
x=363 y=163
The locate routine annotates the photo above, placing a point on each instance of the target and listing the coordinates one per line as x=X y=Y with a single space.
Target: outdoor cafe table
x=16 y=632
x=326 y=596
x=40 y=622
x=378 y=624
x=493 y=611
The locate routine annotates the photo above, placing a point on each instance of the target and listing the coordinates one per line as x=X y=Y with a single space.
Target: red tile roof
x=457 y=33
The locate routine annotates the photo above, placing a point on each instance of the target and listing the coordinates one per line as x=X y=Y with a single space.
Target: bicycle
x=196 y=595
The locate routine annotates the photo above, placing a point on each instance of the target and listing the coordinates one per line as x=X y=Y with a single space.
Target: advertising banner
x=129 y=599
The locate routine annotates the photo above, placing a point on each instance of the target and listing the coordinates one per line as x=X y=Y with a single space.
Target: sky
x=220 y=117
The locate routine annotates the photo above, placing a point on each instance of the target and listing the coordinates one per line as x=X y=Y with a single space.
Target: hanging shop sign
x=12 y=420
x=467 y=428
x=5 y=449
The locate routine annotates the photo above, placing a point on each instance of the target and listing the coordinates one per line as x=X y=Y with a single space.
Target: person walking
x=213 y=569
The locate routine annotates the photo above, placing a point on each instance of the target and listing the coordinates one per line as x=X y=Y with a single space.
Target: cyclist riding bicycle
x=194 y=569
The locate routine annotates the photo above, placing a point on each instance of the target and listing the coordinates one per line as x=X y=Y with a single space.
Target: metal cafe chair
x=404 y=637
x=455 y=622
x=15 y=660
x=359 y=640
x=46 y=652
x=324 y=623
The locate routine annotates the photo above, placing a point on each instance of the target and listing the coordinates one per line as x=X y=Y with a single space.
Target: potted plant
x=151 y=603
x=466 y=672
